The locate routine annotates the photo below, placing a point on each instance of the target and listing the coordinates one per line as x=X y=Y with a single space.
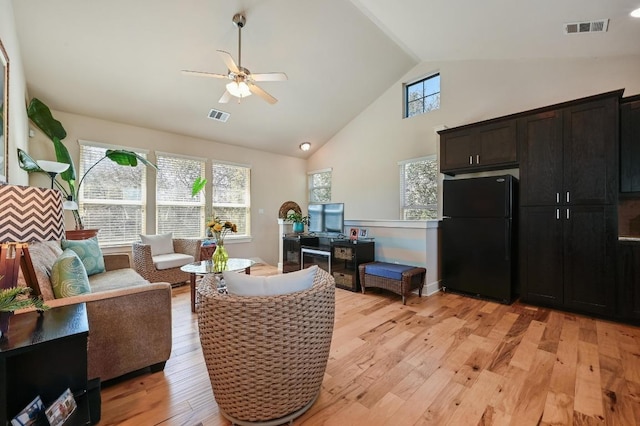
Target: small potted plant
x=298 y=221
x=14 y=298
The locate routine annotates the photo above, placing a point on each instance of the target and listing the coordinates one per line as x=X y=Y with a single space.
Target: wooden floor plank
x=442 y=359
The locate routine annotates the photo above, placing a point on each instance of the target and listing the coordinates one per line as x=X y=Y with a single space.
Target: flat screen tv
x=326 y=218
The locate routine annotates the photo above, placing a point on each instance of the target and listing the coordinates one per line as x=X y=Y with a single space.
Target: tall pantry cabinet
x=568 y=199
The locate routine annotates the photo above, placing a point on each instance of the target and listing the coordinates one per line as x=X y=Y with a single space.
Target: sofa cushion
x=89 y=253
x=248 y=285
x=116 y=279
x=68 y=276
x=171 y=260
x=43 y=255
x=160 y=244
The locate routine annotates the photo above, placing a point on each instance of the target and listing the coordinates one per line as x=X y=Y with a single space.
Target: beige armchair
x=159 y=268
x=266 y=355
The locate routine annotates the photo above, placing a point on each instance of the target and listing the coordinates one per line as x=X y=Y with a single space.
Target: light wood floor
x=443 y=359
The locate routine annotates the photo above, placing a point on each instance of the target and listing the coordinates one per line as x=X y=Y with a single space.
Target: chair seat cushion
x=171 y=260
x=387 y=270
x=116 y=279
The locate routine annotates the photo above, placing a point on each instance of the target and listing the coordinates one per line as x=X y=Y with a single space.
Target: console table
x=44 y=354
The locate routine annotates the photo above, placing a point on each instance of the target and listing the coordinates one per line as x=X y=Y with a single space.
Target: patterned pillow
x=89 y=252
x=68 y=276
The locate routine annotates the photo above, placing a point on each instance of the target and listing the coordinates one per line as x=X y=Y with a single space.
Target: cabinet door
x=496 y=144
x=629 y=280
x=541 y=252
x=540 y=140
x=590 y=237
x=456 y=150
x=630 y=147
x=591 y=153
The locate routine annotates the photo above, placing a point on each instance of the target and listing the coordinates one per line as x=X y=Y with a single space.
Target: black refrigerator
x=479 y=237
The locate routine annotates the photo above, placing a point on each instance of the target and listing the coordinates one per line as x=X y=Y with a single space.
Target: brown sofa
x=129 y=318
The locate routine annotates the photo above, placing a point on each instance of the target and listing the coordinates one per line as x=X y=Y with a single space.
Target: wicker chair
x=143 y=262
x=266 y=355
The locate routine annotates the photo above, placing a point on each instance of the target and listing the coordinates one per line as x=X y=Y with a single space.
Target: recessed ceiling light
x=305 y=146
x=636 y=13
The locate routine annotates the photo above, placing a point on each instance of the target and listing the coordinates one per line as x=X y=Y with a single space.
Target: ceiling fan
x=242 y=80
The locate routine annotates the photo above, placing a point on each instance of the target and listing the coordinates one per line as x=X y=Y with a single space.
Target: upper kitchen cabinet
x=488 y=145
x=569 y=153
x=630 y=145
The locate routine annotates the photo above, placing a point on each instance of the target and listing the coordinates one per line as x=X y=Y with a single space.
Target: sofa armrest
x=129 y=328
x=115 y=261
x=142 y=260
x=187 y=246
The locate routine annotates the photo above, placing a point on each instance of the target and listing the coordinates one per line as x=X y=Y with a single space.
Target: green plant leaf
x=63 y=156
x=198 y=185
x=27 y=163
x=40 y=114
x=127 y=158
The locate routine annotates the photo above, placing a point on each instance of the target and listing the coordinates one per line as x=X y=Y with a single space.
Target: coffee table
x=205 y=267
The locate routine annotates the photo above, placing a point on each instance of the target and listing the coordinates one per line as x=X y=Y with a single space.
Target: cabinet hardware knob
x=471 y=159
x=477 y=158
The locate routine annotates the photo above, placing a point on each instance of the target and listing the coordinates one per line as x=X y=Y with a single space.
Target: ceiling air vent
x=217 y=115
x=598 y=26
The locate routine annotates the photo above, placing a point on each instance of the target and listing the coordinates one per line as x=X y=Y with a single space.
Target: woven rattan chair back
x=266 y=356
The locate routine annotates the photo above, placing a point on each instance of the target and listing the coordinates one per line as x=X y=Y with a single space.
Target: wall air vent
x=599 y=26
x=217 y=115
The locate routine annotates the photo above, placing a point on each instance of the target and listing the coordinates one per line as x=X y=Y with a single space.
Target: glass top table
x=205 y=267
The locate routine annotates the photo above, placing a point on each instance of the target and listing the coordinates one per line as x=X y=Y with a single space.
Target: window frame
x=247 y=206
x=311 y=187
x=406 y=88
x=201 y=199
x=403 y=188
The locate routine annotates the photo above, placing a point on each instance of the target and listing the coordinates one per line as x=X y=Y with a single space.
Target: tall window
x=232 y=195
x=422 y=96
x=112 y=197
x=176 y=210
x=419 y=188
x=320 y=186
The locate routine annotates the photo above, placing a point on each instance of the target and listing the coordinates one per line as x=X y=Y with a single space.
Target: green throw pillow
x=68 y=276
x=89 y=252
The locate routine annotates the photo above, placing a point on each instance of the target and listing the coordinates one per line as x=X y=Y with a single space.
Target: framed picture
x=363 y=233
x=353 y=233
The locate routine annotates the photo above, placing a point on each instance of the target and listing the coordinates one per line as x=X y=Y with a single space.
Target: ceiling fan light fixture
x=238 y=89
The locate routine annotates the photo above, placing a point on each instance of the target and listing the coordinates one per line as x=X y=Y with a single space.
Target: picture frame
x=353 y=234
x=4 y=114
x=363 y=233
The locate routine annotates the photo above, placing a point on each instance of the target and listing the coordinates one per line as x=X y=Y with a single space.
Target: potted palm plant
x=298 y=221
x=41 y=116
x=14 y=298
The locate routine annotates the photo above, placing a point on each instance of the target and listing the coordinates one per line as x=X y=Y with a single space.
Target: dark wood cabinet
x=568 y=182
x=291 y=251
x=346 y=256
x=44 y=355
x=629 y=280
x=630 y=145
x=482 y=146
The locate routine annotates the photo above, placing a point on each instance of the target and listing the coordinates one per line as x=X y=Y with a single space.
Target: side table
x=44 y=355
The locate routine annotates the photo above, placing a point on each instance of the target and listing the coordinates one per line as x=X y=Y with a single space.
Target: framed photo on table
x=363 y=233
x=353 y=233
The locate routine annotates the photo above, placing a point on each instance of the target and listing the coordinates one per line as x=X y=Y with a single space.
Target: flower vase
x=219 y=258
x=298 y=227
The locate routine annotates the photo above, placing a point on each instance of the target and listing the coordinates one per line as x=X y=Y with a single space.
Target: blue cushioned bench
x=400 y=279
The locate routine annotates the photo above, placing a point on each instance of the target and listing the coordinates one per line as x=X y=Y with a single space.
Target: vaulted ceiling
x=120 y=60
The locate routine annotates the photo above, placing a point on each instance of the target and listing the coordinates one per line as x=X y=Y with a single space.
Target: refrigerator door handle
x=507 y=240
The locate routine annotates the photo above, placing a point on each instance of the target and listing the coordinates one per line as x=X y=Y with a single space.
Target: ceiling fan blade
x=264 y=95
x=204 y=74
x=269 y=76
x=226 y=96
x=228 y=61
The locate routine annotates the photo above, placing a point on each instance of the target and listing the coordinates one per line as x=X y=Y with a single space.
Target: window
x=422 y=96
x=231 y=196
x=320 y=186
x=176 y=210
x=112 y=198
x=419 y=188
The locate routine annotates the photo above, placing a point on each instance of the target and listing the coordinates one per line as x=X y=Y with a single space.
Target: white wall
x=274 y=178
x=18 y=127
